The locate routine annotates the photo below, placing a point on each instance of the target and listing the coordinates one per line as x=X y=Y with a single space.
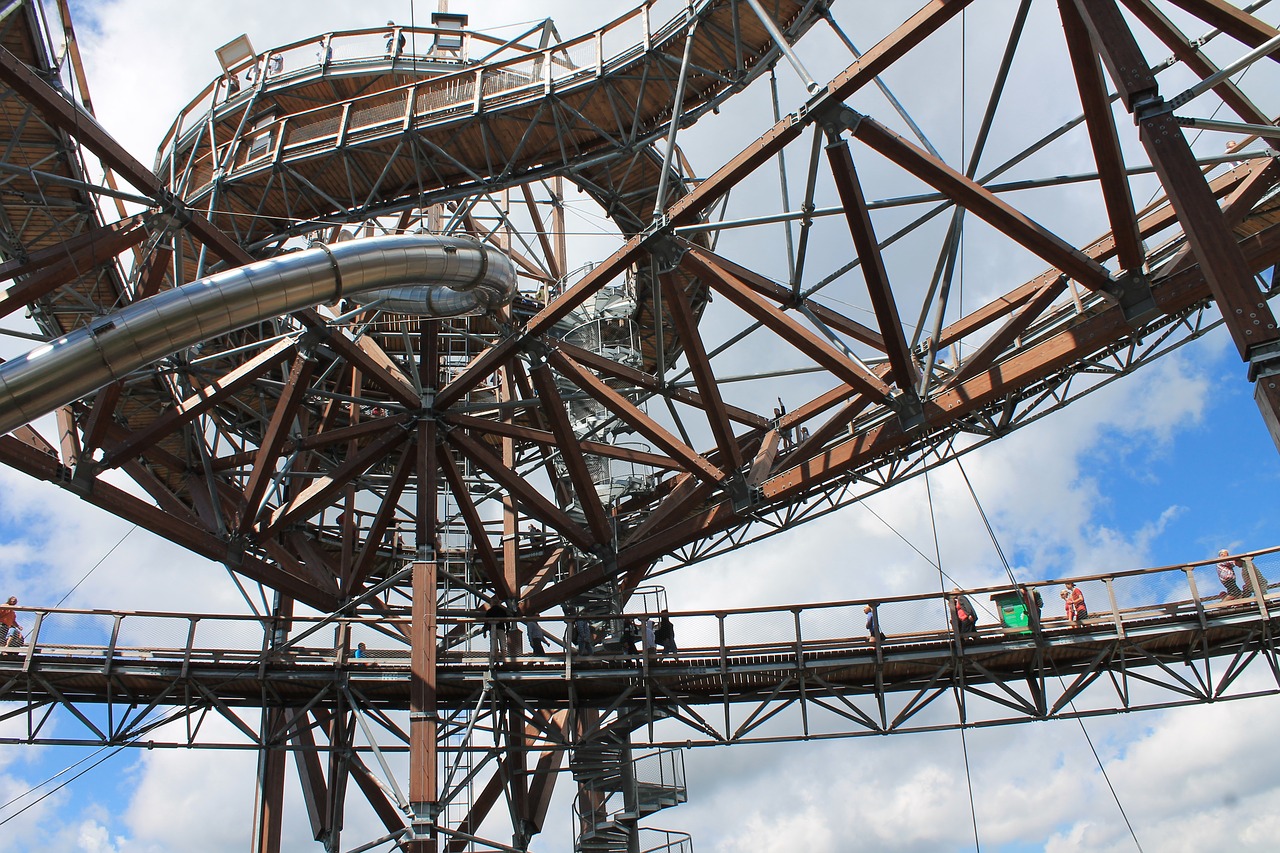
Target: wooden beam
x=1100 y=122
x=533 y=502
x=273 y=440
x=984 y=204
x=1247 y=314
x=547 y=438
x=554 y=409
x=786 y=327
x=74 y=264
x=628 y=412
x=475 y=527
x=677 y=303
x=188 y=410
x=321 y=490
x=902 y=367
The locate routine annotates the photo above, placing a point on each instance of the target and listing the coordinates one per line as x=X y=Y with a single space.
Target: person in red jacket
x=1073 y=600
x=10 y=630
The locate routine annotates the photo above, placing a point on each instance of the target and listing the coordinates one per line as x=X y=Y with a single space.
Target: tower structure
x=347 y=351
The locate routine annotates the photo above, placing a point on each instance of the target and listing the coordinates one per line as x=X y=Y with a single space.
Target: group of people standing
x=964 y=616
x=658 y=636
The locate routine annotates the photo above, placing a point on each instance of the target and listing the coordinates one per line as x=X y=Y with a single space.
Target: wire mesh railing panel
x=910 y=618
x=1264 y=571
x=241 y=635
x=447 y=93
x=154 y=632
x=654 y=840
x=312 y=127
x=510 y=77
x=695 y=632
x=365 y=115
x=759 y=631
x=664 y=768
x=71 y=631
x=575 y=61
x=831 y=624
x=356 y=46
x=1211 y=588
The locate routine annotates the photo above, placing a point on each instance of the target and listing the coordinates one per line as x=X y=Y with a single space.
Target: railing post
x=343 y=124
x=411 y=98
x=278 y=136
x=111 y=647
x=191 y=641
x=341 y=642
x=31 y=641
x=800 y=671
x=599 y=53
x=1115 y=610
x=724 y=669
x=1254 y=582
x=1195 y=595
x=477 y=98
x=648 y=34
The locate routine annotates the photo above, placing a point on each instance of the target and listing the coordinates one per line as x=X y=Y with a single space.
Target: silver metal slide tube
x=111 y=347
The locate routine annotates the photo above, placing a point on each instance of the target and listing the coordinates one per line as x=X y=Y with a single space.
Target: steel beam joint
x=1151 y=106
x=836 y=118
x=667 y=252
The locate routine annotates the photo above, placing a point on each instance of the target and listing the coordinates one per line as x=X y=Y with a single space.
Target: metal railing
x=489 y=69
x=1118 y=603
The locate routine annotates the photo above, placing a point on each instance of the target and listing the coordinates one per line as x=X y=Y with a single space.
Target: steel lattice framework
x=406 y=468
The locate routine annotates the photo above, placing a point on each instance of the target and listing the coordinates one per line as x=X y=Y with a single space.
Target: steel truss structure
x=404 y=466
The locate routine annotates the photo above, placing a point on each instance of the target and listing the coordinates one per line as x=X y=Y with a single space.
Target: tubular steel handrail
x=717 y=638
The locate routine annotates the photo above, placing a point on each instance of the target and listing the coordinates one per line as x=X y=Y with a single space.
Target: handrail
x=787 y=608
x=791 y=631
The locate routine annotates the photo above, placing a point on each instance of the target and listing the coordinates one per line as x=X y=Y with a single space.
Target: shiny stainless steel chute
x=422 y=274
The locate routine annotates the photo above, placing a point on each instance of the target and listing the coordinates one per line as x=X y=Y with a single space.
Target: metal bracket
x=742 y=496
x=1264 y=360
x=836 y=118
x=909 y=409
x=1151 y=106
x=1133 y=291
x=666 y=251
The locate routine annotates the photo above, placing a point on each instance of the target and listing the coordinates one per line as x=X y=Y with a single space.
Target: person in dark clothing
x=582 y=639
x=630 y=636
x=537 y=636
x=496 y=624
x=966 y=617
x=665 y=635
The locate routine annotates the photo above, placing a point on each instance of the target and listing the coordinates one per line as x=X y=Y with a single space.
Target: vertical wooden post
x=423 y=791
x=269 y=797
